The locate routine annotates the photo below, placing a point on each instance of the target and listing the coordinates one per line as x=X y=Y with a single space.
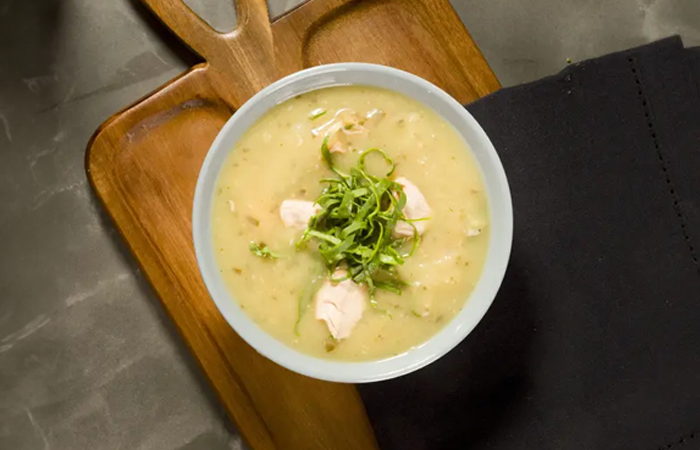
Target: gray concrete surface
x=87 y=358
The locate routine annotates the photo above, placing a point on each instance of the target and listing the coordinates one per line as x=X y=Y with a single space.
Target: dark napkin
x=593 y=341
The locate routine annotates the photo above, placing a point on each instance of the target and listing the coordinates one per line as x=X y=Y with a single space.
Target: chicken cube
x=416 y=208
x=297 y=213
x=340 y=305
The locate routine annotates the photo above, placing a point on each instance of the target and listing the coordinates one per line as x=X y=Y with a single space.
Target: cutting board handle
x=242 y=60
x=186 y=24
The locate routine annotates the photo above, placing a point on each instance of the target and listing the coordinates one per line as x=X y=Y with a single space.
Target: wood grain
x=143 y=164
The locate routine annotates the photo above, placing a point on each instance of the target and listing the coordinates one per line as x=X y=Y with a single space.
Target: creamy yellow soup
x=279 y=158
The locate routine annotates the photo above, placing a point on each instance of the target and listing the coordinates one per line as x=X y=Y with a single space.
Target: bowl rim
x=479 y=300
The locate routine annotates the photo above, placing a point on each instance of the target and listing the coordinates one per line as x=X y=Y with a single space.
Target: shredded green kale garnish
x=263 y=251
x=304 y=300
x=353 y=229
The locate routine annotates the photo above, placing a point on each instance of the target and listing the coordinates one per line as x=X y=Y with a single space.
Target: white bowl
x=501 y=221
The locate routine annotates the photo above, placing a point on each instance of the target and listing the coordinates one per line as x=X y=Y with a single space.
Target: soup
x=330 y=253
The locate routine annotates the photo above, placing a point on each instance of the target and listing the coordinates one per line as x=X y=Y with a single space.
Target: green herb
x=263 y=251
x=304 y=301
x=330 y=343
x=353 y=229
x=420 y=315
x=316 y=113
x=326 y=153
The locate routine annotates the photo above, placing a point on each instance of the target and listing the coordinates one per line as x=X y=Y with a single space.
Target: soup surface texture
x=279 y=158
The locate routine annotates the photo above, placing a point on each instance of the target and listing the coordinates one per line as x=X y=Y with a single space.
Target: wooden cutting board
x=143 y=164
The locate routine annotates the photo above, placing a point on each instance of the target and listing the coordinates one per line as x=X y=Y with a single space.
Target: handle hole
x=278 y=8
x=219 y=14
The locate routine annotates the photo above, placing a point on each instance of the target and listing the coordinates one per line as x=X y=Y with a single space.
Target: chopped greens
x=330 y=344
x=304 y=300
x=263 y=251
x=353 y=229
x=316 y=113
